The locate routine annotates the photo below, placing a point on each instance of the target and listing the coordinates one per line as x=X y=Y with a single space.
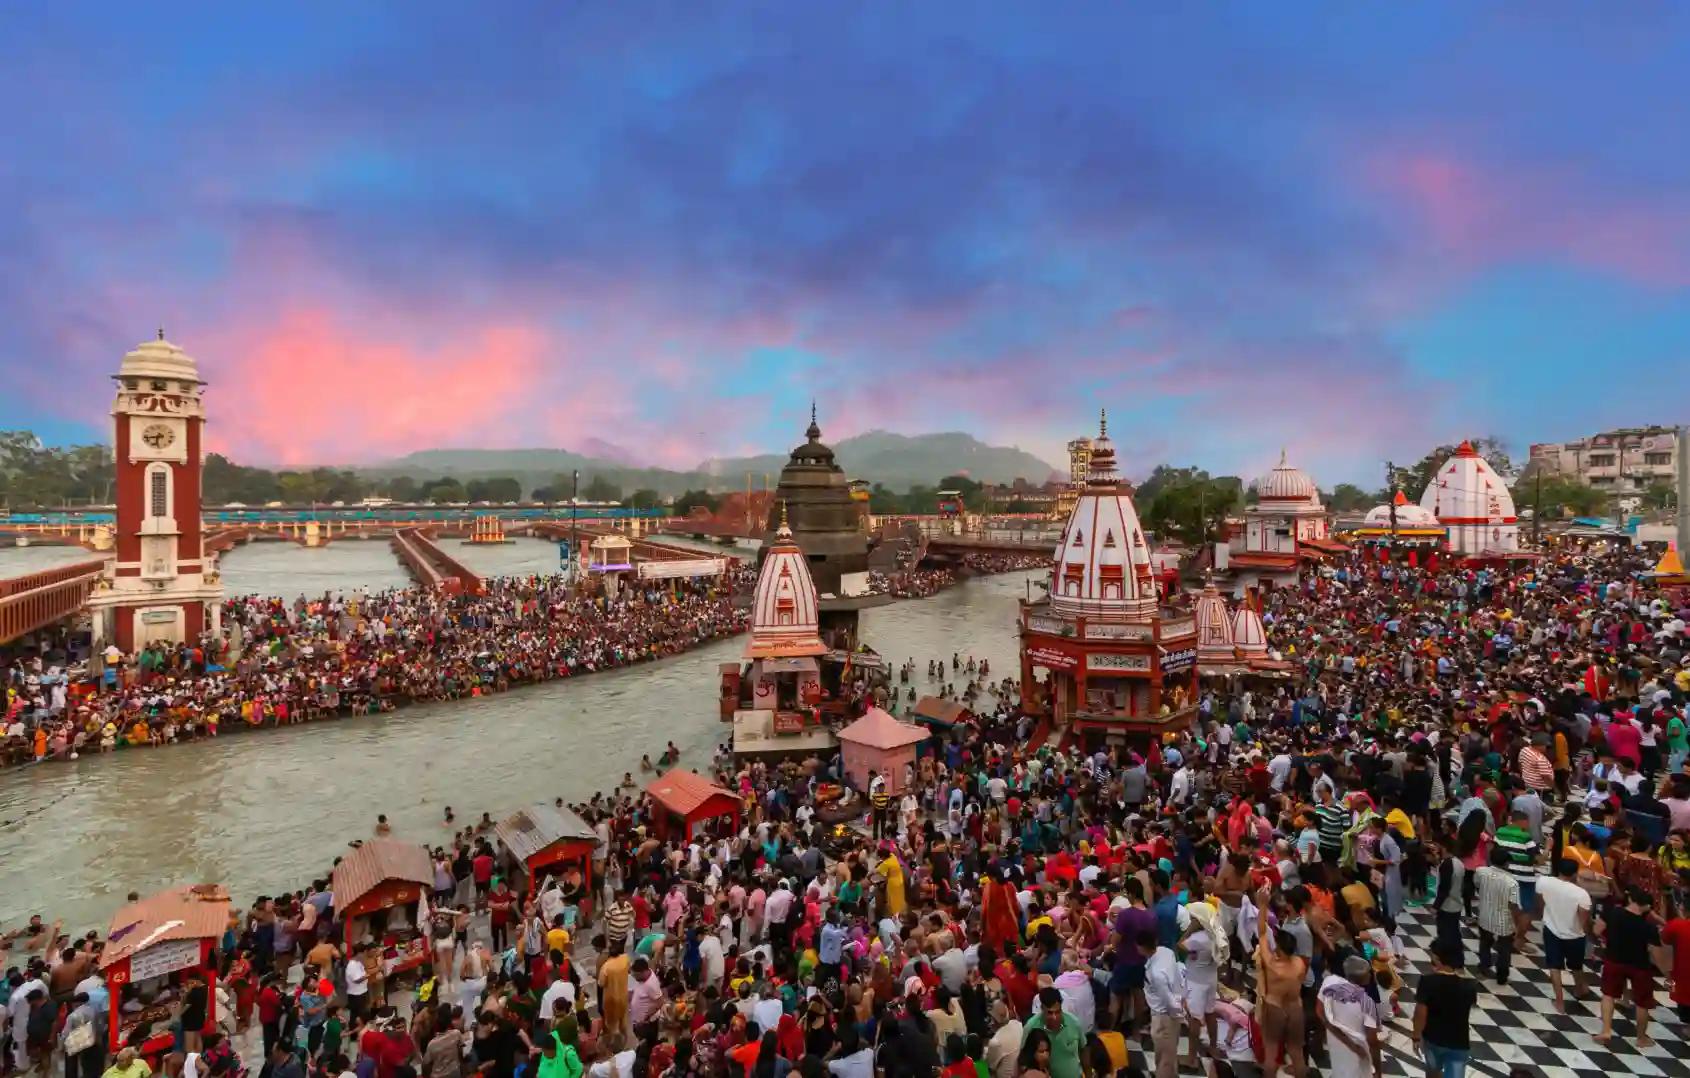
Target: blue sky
x=1352 y=231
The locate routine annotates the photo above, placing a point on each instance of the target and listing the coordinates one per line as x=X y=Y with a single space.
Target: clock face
x=158 y=435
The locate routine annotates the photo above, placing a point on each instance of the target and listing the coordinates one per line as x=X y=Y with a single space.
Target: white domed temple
x=1286 y=528
x=1116 y=661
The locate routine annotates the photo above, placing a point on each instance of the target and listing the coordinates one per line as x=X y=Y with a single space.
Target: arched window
x=158 y=491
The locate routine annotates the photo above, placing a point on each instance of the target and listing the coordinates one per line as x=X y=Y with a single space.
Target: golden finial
x=783 y=523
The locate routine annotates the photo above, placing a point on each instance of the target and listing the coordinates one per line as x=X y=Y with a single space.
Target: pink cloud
x=309 y=388
x=1483 y=213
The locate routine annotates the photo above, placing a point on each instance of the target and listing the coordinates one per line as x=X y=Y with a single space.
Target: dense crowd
x=277 y=663
x=1505 y=749
x=921 y=583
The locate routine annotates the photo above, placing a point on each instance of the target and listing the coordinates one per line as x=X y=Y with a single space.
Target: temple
x=1285 y=528
x=1402 y=525
x=777 y=696
x=1473 y=505
x=828 y=524
x=1116 y=662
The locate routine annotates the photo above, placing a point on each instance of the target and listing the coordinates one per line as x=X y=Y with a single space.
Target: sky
x=1349 y=231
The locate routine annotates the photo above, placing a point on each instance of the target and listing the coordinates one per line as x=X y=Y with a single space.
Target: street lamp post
x=574 y=527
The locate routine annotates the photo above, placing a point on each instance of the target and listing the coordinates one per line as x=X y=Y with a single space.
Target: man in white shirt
x=560 y=991
x=1179 y=789
x=357 y=985
x=1566 y=925
x=1005 y=1046
x=1164 y=991
x=1279 y=770
x=712 y=961
x=856 y=1060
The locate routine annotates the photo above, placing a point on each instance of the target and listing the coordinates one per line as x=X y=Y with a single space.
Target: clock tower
x=160 y=587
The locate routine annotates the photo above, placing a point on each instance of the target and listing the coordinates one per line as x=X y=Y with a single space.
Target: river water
x=265 y=811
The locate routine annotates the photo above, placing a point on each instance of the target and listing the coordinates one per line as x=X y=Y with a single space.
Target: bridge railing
x=38 y=599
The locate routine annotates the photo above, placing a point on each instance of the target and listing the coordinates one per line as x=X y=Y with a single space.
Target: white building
x=1473 y=504
x=1287 y=526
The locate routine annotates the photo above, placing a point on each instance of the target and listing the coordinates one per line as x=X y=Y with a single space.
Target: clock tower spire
x=160 y=588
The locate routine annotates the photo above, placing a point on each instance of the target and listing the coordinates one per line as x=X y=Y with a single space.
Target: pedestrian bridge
x=35 y=600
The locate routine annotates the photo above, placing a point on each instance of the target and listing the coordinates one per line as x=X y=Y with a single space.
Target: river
x=265 y=811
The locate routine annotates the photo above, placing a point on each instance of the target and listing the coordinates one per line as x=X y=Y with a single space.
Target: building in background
x=1286 y=528
x=1629 y=460
x=1079 y=466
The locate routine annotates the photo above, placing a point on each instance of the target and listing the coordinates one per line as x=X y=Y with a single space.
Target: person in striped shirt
x=1515 y=840
x=1332 y=819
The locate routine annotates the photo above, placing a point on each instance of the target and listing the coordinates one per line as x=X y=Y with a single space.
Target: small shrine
x=1401 y=528
x=1286 y=528
x=777 y=694
x=1116 y=662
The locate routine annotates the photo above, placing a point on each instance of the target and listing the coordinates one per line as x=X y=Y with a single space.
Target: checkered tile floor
x=1516 y=1025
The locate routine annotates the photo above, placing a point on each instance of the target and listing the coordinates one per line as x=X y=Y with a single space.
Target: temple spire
x=1103 y=423
x=815 y=432
x=161 y=333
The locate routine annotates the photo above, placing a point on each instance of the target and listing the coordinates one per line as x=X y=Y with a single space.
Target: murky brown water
x=267 y=810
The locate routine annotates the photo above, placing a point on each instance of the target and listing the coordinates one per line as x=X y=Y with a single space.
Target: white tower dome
x=1214 y=627
x=1247 y=632
x=1286 y=485
x=784 y=611
x=1472 y=502
x=1409 y=515
x=1102 y=563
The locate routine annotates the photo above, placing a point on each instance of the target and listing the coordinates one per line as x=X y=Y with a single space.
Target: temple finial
x=1103 y=423
x=161 y=333
x=783 y=524
x=1282 y=456
x=815 y=432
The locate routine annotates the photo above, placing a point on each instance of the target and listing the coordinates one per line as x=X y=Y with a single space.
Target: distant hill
x=901 y=461
x=897 y=460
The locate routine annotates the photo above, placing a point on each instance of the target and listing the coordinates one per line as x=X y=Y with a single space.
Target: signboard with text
x=162 y=958
x=1118 y=632
x=1052 y=659
x=1134 y=664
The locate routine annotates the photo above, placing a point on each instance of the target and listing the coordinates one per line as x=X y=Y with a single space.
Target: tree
x=500 y=489
x=402 y=488
x=1416 y=478
x=601 y=489
x=1660 y=496
x=1186 y=503
x=1559 y=496
x=1348 y=498
x=645 y=498
x=443 y=490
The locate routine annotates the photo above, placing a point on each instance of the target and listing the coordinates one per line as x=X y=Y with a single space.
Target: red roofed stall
x=381 y=893
x=685 y=799
x=155 y=949
x=542 y=837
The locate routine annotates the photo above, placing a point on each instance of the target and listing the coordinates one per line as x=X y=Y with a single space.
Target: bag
x=79 y=1039
x=1597 y=887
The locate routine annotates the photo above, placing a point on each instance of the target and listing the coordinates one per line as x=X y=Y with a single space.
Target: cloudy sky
x=1351 y=230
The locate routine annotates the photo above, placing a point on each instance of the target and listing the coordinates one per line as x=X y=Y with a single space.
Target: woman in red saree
x=1000 y=913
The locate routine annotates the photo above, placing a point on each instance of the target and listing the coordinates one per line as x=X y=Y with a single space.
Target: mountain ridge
x=897 y=460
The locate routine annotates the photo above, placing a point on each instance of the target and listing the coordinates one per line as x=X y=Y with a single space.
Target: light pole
x=574 y=525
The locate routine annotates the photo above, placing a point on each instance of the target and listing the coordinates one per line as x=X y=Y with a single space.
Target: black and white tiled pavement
x=1516 y=1025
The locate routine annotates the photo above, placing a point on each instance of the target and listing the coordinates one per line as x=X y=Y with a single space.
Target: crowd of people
x=917 y=583
x=1502 y=749
x=276 y=663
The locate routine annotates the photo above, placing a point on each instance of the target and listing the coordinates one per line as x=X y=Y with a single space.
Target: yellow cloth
x=893 y=873
x=1398 y=820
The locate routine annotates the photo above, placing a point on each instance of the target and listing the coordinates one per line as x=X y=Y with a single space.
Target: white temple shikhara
x=1473 y=505
x=1117 y=662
